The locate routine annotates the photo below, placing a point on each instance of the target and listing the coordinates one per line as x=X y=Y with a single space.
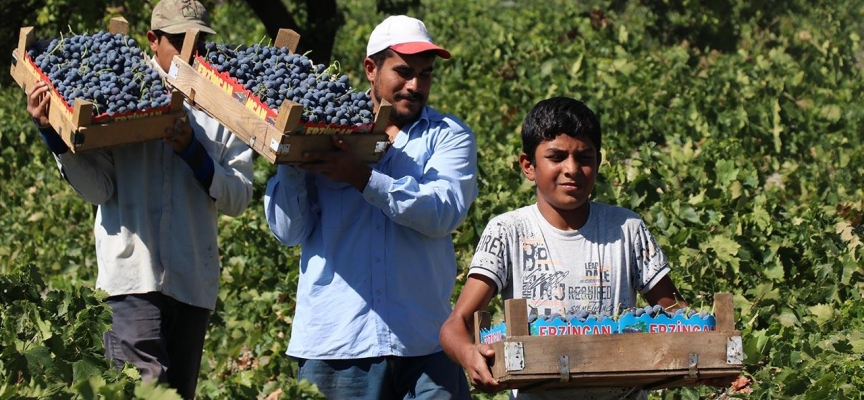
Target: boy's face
x=564 y=171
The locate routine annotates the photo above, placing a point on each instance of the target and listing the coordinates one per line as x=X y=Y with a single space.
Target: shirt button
x=377 y=259
x=378 y=292
x=377 y=226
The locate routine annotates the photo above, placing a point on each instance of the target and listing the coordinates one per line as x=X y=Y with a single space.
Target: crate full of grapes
x=641 y=347
x=102 y=90
x=280 y=103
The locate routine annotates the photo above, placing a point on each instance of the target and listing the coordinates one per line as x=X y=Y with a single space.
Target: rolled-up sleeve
x=90 y=174
x=438 y=201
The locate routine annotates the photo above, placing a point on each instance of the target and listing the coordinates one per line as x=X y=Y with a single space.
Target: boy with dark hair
x=564 y=253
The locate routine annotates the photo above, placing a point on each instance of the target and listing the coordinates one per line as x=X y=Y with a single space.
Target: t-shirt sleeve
x=651 y=264
x=491 y=255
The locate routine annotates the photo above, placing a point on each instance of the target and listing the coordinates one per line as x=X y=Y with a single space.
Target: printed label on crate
x=101 y=117
x=628 y=323
x=253 y=103
x=559 y=327
x=495 y=333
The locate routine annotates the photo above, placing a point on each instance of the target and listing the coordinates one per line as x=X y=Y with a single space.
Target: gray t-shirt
x=598 y=268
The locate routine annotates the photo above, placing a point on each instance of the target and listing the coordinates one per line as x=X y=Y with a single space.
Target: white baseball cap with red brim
x=404 y=35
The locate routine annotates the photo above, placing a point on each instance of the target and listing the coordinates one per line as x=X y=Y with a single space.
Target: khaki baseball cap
x=175 y=16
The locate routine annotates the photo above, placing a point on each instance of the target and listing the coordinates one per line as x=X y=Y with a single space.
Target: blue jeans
x=161 y=336
x=387 y=378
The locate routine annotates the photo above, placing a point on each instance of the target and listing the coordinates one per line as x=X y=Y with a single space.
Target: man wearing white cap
x=156 y=232
x=377 y=266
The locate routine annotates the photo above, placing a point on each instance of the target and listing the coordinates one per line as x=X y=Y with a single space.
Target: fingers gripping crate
x=283 y=139
x=650 y=360
x=75 y=122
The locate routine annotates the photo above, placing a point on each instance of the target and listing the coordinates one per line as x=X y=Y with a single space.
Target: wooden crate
x=76 y=126
x=280 y=142
x=651 y=360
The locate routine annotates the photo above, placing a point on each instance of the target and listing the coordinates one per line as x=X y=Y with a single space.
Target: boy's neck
x=565 y=220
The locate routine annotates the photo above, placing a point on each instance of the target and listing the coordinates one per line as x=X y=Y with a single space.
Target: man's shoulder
x=436 y=118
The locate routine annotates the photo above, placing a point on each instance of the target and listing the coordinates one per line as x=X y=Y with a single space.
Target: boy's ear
x=527 y=167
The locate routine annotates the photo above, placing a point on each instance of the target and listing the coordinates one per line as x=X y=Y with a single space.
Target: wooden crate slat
x=118 y=25
x=287 y=38
x=516 y=315
x=647 y=379
x=617 y=352
x=189 y=44
x=362 y=144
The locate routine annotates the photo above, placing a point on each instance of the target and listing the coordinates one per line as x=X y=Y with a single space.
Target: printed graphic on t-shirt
x=541 y=281
x=594 y=290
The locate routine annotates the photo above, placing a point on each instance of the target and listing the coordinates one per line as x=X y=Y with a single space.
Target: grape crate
x=651 y=360
x=102 y=91
x=279 y=102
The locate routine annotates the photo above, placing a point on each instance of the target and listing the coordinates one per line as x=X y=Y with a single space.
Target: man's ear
x=154 y=41
x=527 y=167
x=370 y=68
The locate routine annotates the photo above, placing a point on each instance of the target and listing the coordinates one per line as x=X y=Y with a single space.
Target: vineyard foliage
x=732 y=127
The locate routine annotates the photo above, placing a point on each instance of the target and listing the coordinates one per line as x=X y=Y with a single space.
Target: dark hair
x=379 y=57
x=176 y=39
x=556 y=116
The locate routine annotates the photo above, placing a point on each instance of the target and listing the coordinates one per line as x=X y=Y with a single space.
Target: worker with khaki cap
x=156 y=233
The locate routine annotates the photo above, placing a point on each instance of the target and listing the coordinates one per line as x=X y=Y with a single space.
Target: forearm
x=666 y=295
x=52 y=139
x=456 y=339
x=200 y=162
x=231 y=178
x=89 y=175
x=286 y=206
x=434 y=209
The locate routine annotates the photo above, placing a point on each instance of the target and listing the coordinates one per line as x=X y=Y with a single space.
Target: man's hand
x=338 y=166
x=179 y=136
x=38 y=101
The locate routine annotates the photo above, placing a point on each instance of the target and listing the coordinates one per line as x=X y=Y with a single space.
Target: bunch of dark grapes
x=651 y=311
x=657 y=310
x=275 y=76
x=106 y=69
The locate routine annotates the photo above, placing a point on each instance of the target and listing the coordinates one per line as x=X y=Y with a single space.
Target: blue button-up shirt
x=377 y=268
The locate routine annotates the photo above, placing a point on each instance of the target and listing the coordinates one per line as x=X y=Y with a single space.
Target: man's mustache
x=410 y=96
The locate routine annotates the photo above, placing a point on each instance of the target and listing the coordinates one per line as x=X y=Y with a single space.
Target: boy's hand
x=38 y=101
x=476 y=365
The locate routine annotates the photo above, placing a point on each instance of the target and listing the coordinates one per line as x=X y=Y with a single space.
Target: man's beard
x=396 y=117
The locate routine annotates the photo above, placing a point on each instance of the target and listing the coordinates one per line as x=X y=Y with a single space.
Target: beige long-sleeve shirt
x=156 y=223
